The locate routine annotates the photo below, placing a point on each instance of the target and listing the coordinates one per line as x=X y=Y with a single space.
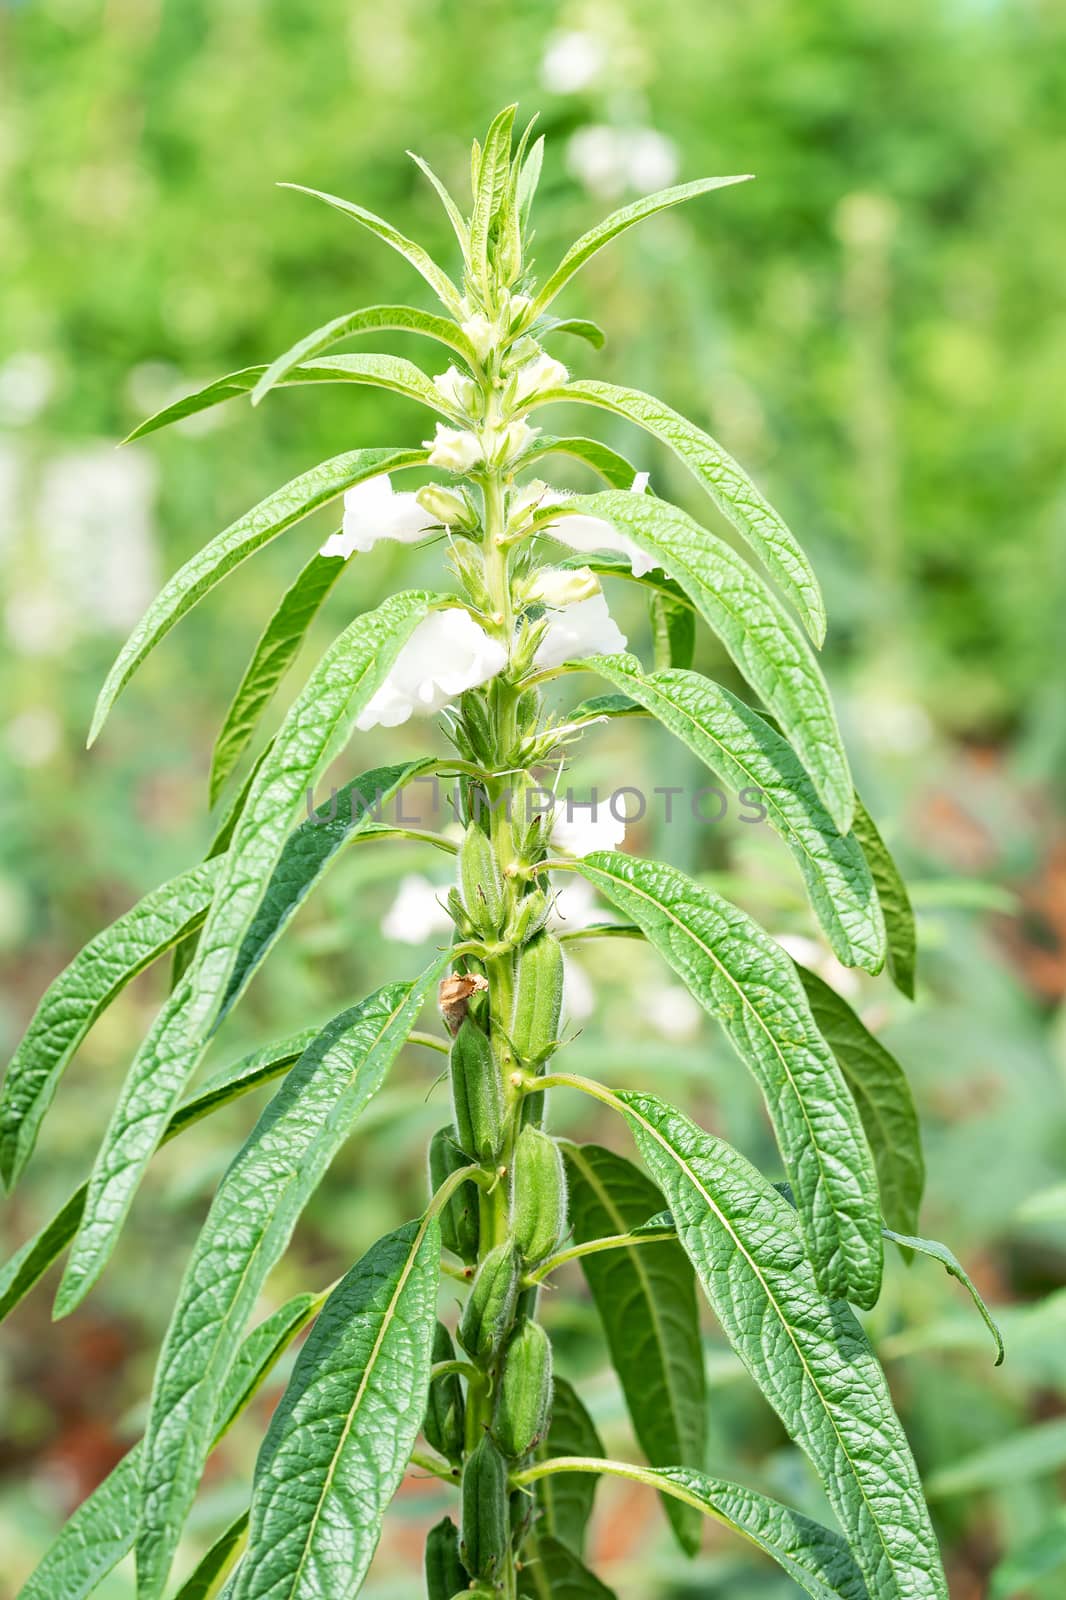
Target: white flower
x=587 y=534
x=562 y=586
x=456 y=388
x=579 y=829
x=416 y=914
x=510 y=441
x=671 y=1011
x=584 y=629
x=373 y=511
x=537 y=377
x=572 y=61
x=516 y=308
x=608 y=161
x=446 y=654
x=579 y=997
x=481 y=332
x=453 y=448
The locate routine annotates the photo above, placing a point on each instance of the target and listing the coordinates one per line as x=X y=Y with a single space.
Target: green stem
x=591 y=1247
x=435 y=1465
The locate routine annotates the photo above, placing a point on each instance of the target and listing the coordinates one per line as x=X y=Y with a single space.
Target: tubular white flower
x=454 y=448
x=562 y=586
x=588 y=534
x=575 y=631
x=537 y=377
x=481 y=332
x=416 y=914
x=510 y=441
x=456 y=388
x=579 y=829
x=446 y=654
x=373 y=511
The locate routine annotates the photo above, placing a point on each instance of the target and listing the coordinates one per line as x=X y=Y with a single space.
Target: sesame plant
x=389 y=1379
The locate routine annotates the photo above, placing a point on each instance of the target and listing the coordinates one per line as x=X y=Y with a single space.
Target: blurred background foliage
x=875 y=327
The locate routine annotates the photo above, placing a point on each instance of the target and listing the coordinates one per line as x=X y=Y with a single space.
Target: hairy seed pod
x=459 y=1228
x=524 y=1394
x=538 y=1195
x=538 y=999
x=489 y=1310
x=445 y=1574
x=444 y=1421
x=486 y=1526
x=479 y=875
x=477 y=1093
x=528 y=917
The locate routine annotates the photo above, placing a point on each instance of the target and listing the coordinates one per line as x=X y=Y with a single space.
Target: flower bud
x=444 y=1421
x=536 y=377
x=482 y=334
x=507 y=442
x=561 y=586
x=538 y=1195
x=457 y=389
x=447 y=506
x=485 y=1541
x=459 y=1228
x=516 y=311
x=524 y=1396
x=454 y=448
x=445 y=1574
x=477 y=1093
x=489 y=1311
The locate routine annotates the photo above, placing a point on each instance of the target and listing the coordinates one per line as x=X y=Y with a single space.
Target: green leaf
x=588 y=244
x=764 y=641
x=612 y=467
x=492 y=184
x=81 y=992
x=439 y=281
x=526 y=188
x=741 y=747
x=809 y=1356
x=883 y=1096
x=552 y=1572
x=317 y=727
x=274 y=653
x=895 y=902
x=339 y=1442
x=308 y=853
x=381 y=372
x=743 y=977
x=1030 y=1453
x=247 y=1229
x=565 y=1503
x=591 y=332
x=372 y=319
x=102 y=1530
x=953 y=1266
x=673 y=627
x=240 y=540
x=455 y=216
x=728 y=485
x=646 y=1299
x=206 y=1582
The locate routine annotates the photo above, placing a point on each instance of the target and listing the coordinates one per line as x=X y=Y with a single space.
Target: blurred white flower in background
x=610 y=161
x=575 y=903
x=572 y=61
x=809 y=953
x=446 y=654
x=588 y=534
x=373 y=510
x=416 y=914
x=671 y=1011
x=27 y=383
x=32 y=737
x=579 y=997
x=579 y=828
x=575 y=631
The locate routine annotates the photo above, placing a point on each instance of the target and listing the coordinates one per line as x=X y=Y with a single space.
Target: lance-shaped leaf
x=454 y=215
x=29 y=1264
x=646 y=1298
x=372 y=319
x=240 y=540
x=102 y=1530
x=742 y=748
x=274 y=653
x=612 y=467
x=354 y=810
x=551 y=1571
x=743 y=977
x=491 y=188
x=809 y=1356
x=339 y=1442
x=883 y=1096
x=439 y=281
x=81 y=992
x=767 y=645
x=728 y=485
x=817 y=1558
x=317 y=727
x=588 y=244
x=955 y=1269
x=673 y=630
x=248 y=1227
x=212 y=1570
x=565 y=1501
x=591 y=332
x=895 y=901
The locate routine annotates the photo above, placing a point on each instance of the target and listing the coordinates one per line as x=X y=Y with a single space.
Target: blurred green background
x=875 y=328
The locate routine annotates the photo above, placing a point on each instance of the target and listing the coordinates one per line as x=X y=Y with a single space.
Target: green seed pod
x=528 y=917
x=538 y=1195
x=524 y=1395
x=485 y=1542
x=445 y=1574
x=538 y=999
x=459 y=1229
x=477 y=1093
x=444 y=1421
x=482 y=886
x=489 y=1310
